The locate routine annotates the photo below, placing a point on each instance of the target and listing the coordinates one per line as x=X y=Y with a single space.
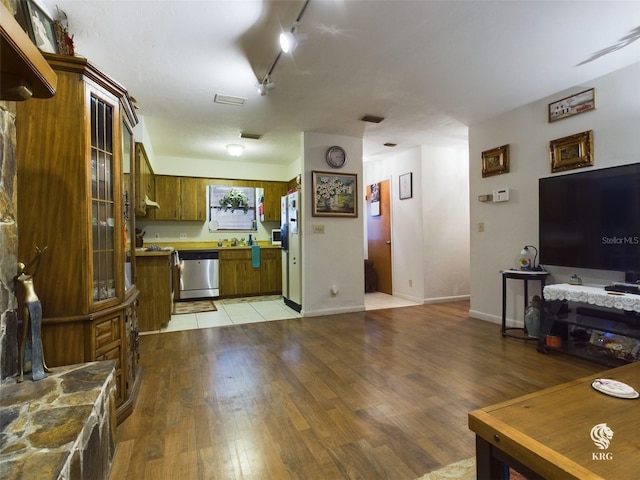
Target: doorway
x=379 y=234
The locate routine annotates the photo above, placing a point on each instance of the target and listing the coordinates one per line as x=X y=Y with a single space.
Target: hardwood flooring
x=382 y=394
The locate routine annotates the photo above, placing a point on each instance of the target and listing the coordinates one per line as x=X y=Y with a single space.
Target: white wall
x=511 y=225
x=336 y=256
x=430 y=231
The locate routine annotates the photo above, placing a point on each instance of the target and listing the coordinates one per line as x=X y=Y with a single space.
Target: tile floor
x=237 y=311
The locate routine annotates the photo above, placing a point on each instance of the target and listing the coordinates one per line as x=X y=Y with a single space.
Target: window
x=232 y=208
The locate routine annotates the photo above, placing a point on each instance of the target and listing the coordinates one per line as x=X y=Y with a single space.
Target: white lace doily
x=593 y=296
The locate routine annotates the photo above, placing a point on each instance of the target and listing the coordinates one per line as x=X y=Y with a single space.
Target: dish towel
x=255 y=256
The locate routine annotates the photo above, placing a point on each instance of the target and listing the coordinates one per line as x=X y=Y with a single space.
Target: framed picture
x=573 y=105
x=38 y=25
x=574 y=151
x=406 y=186
x=334 y=194
x=375 y=200
x=495 y=161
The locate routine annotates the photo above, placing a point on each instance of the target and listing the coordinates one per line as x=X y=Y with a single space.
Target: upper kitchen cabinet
x=181 y=198
x=273 y=191
x=145 y=185
x=70 y=151
x=193 y=199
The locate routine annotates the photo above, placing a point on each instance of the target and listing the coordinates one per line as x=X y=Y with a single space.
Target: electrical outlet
x=481 y=227
x=183 y=236
x=156 y=236
x=411 y=283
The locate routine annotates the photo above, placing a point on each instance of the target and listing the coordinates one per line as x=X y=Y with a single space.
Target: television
x=591 y=219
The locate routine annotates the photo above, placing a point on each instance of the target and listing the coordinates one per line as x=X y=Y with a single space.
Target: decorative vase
x=532 y=317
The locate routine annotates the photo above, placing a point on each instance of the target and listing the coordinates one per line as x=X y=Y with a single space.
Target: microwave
x=276 y=236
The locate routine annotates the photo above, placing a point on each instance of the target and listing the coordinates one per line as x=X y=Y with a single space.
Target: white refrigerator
x=291 y=255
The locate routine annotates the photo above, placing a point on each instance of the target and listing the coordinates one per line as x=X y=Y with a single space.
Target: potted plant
x=234 y=200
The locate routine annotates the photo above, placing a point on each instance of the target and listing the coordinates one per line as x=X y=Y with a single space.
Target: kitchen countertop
x=208 y=246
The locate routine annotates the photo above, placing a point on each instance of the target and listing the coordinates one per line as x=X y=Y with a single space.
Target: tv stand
x=602 y=326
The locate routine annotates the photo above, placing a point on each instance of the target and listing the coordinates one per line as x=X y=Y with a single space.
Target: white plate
x=614 y=388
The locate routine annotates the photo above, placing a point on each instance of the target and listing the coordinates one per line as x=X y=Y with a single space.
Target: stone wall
x=8 y=241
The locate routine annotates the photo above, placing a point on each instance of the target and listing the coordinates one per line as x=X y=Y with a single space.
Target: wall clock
x=336 y=157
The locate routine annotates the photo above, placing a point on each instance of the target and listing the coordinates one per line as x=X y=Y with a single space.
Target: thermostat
x=501 y=195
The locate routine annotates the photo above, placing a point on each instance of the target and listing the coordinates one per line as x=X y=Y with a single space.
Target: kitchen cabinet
x=145 y=185
x=273 y=191
x=193 y=199
x=180 y=198
x=239 y=278
x=270 y=271
x=70 y=152
x=168 y=197
x=154 y=283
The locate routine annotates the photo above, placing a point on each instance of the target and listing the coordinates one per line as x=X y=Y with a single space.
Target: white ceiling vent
x=229 y=100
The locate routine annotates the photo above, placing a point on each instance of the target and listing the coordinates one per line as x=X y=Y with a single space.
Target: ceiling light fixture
x=289 y=40
x=266 y=84
x=235 y=150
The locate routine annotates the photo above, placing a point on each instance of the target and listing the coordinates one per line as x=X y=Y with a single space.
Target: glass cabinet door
x=127 y=203
x=102 y=199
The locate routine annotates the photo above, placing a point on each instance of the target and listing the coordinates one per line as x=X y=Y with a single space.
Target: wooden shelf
x=25 y=72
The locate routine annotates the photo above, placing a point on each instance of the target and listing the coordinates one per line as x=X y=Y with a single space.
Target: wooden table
x=547 y=434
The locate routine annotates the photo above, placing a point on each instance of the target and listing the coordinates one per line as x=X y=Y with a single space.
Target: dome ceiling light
x=235 y=149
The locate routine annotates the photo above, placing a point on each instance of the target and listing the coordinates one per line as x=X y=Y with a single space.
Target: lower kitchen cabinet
x=239 y=278
x=154 y=272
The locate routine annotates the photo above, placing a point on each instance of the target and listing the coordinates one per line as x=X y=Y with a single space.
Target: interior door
x=379 y=233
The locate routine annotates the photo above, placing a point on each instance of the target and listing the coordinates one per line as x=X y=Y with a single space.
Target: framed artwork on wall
x=573 y=105
x=334 y=194
x=574 y=151
x=375 y=200
x=406 y=186
x=38 y=25
x=495 y=161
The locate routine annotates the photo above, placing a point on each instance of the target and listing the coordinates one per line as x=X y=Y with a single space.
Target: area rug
x=462 y=470
x=193 y=306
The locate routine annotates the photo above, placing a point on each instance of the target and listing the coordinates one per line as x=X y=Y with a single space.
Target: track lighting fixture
x=291 y=40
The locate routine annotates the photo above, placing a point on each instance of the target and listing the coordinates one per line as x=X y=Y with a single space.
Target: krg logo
x=601 y=436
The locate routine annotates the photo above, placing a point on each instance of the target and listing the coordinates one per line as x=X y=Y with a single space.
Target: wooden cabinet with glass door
x=71 y=199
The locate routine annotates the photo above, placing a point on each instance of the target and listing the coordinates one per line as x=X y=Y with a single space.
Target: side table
x=525 y=276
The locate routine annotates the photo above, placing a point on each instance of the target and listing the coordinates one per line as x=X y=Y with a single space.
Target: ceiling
x=431 y=68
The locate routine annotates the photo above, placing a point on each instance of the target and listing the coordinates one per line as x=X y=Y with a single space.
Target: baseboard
x=333 y=311
x=456 y=298
x=495 y=319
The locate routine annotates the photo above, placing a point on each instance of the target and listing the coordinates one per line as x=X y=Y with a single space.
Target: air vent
x=251 y=136
x=389 y=144
x=229 y=100
x=372 y=119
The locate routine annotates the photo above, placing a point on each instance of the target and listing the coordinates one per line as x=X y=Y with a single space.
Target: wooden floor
x=382 y=394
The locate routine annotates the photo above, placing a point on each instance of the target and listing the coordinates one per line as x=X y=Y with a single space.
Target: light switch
x=318 y=228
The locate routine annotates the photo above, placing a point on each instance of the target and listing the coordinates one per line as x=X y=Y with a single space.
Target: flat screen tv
x=591 y=219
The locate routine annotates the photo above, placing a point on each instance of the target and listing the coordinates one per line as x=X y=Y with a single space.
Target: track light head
x=265 y=87
x=290 y=40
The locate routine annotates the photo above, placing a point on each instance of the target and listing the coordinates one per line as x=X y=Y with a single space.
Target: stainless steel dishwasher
x=198 y=274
